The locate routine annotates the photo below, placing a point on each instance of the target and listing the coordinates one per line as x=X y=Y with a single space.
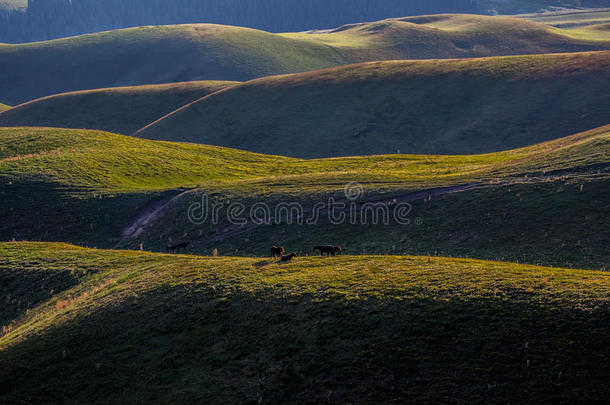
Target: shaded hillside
x=120 y=109
x=149 y=55
x=433 y=107
x=347 y=329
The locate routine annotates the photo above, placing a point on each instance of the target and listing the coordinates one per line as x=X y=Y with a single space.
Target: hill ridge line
x=183 y=108
x=153 y=86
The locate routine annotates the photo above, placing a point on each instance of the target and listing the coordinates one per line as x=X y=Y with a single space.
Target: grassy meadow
x=124 y=58
x=457 y=106
x=102 y=161
x=89 y=187
x=214 y=52
x=373 y=108
x=366 y=329
x=119 y=109
x=462 y=162
x=572 y=19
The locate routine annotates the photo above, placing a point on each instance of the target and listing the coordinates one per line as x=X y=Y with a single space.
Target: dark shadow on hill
x=192 y=344
x=550 y=221
x=23 y=289
x=471 y=109
x=41 y=211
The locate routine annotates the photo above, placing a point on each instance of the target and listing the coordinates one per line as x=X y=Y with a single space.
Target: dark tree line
x=47 y=19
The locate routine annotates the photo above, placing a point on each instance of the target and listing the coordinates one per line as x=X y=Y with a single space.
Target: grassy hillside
x=148 y=55
x=120 y=109
x=592 y=31
x=348 y=329
x=571 y=19
x=446 y=36
x=450 y=107
x=546 y=220
x=4 y=107
x=94 y=188
x=108 y=162
x=51 y=19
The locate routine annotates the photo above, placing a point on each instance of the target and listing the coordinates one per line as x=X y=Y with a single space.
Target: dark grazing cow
x=288 y=257
x=338 y=250
x=277 y=251
x=179 y=246
x=325 y=249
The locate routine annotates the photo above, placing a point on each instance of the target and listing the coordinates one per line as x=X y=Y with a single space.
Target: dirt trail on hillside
x=149 y=215
x=152 y=212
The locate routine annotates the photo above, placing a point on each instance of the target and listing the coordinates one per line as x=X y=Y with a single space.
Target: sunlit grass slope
x=137 y=327
x=103 y=161
x=571 y=19
x=120 y=109
x=450 y=106
x=4 y=107
x=598 y=31
x=148 y=55
x=448 y=36
x=542 y=204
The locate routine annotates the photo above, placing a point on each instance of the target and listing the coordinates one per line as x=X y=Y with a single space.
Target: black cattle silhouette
x=327 y=249
x=288 y=257
x=277 y=251
x=179 y=246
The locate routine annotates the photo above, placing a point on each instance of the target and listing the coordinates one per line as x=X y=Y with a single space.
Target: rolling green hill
x=162 y=54
x=347 y=329
x=101 y=161
x=572 y=19
x=120 y=109
x=105 y=190
x=50 y=19
x=592 y=31
x=447 y=36
x=448 y=106
x=150 y=55
x=4 y=107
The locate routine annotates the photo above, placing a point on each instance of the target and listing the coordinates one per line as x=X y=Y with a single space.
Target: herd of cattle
x=276 y=251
